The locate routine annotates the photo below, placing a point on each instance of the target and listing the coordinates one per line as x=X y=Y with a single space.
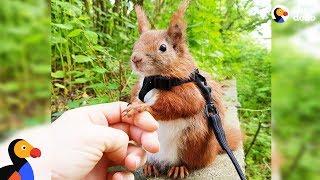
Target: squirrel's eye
x=163 y=48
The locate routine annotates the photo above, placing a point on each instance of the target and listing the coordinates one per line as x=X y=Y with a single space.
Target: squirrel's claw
x=150 y=170
x=178 y=172
x=134 y=109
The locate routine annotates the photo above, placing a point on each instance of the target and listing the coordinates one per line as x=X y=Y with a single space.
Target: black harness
x=166 y=83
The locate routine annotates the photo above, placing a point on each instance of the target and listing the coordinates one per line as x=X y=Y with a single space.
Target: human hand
x=88 y=140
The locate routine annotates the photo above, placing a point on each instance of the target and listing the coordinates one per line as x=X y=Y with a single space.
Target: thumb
x=112 y=142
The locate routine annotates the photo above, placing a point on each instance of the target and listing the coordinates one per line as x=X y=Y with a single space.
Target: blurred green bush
x=296 y=94
x=295 y=100
x=25 y=65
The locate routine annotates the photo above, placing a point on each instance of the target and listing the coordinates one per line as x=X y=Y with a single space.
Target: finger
x=125 y=127
x=97 y=117
x=135 y=134
x=113 y=142
x=123 y=176
x=148 y=140
x=99 y=169
x=144 y=120
x=111 y=111
x=136 y=158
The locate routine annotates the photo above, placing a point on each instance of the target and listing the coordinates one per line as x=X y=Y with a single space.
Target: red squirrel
x=186 y=140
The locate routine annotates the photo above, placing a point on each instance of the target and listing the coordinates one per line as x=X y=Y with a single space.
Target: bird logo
x=19 y=150
x=280 y=14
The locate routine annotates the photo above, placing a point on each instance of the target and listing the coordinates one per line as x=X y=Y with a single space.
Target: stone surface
x=221 y=168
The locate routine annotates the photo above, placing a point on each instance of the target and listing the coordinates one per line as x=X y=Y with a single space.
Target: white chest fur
x=169 y=136
x=169 y=133
x=151 y=97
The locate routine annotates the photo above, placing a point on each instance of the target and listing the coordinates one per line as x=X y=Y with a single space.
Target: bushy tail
x=233 y=136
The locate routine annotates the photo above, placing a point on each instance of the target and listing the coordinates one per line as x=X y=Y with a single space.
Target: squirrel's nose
x=136 y=59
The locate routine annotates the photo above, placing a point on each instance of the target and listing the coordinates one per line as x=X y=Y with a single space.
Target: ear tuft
x=143 y=23
x=177 y=26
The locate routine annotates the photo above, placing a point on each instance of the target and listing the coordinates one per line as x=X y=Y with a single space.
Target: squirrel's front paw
x=150 y=170
x=178 y=172
x=135 y=108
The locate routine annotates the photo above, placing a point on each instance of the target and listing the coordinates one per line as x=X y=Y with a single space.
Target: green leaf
x=63 y=26
x=91 y=36
x=99 y=48
x=130 y=25
x=263 y=89
x=59 y=85
x=75 y=33
x=123 y=36
x=99 y=70
x=69 y=8
x=80 y=80
x=108 y=36
x=84 y=17
x=98 y=100
x=74 y=104
x=58 y=39
x=113 y=86
x=58 y=74
x=81 y=58
x=75 y=73
x=98 y=86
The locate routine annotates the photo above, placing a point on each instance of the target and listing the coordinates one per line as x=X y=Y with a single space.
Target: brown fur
x=200 y=146
x=143 y=20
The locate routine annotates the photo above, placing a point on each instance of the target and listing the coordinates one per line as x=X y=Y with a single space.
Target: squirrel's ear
x=177 y=26
x=143 y=23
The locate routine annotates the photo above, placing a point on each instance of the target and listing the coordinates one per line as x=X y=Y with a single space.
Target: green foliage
x=91 y=44
x=255 y=96
x=90 y=52
x=296 y=79
x=24 y=54
x=295 y=105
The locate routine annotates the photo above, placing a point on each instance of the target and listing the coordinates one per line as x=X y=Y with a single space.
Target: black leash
x=165 y=83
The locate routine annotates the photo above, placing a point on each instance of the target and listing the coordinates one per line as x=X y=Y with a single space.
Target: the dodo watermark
x=281 y=14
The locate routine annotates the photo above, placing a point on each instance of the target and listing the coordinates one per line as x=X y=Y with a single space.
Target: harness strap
x=215 y=121
x=166 y=83
x=159 y=82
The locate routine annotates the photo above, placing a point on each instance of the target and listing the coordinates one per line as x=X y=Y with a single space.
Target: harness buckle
x=210 y=109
